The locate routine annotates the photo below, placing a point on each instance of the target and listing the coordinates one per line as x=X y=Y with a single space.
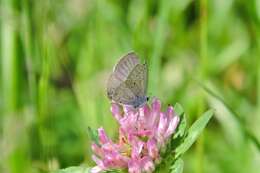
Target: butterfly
x=127 y=84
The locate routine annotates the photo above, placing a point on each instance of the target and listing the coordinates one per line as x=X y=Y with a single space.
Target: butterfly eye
x=147 y=98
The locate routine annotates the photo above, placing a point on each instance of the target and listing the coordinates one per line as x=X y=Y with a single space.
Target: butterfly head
x=140 y=101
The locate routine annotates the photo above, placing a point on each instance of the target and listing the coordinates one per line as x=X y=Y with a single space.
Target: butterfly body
x=128 y=82
x=139 y=101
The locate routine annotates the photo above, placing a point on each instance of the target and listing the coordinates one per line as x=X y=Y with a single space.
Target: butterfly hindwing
x=137 y=80
x=123 y=95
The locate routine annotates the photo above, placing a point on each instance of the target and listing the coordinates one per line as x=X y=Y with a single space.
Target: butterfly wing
x=133 y=88
x=137 y=80
x=121 y=72
x=125 y=66
x=123 y=95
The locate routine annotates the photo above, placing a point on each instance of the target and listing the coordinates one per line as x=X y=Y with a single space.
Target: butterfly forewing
x=112 y=84
x=125 y=65
x=121 y=71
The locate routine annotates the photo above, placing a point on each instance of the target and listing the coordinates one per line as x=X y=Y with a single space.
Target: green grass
x=55 y=58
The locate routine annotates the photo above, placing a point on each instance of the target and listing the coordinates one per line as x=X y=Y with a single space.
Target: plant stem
x=203 y=36
x=9 y=61
x=240 y=121
x=159 y=40
x=14 y=154
x=202 y=74
x=28 y=49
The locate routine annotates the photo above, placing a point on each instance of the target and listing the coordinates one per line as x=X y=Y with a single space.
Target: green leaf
x=93 y=134
x=115 y=171
x=178 y=109
x=81 y=169
x=181 y=130
x=74 y=169
x=177 y=167
x=193 y=133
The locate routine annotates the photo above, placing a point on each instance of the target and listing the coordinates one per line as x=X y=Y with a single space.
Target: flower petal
x=156 y=105
x=152 y=148
x=144 y=111
x=134 y=166
x=170 y=112
x=96 y=169
x=97 y=150
x=153 y=119
x=128 y=110
x=148 y=165
x=98 y=161
x=115 y=109
x=172 y=126
x=137 y=147
x=102 y=136
x=128 y=123
x=162 y=124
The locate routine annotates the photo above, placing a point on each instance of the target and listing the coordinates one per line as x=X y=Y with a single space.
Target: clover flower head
x=143 y=132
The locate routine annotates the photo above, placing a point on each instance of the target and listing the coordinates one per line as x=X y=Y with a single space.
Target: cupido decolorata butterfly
x=127 y=84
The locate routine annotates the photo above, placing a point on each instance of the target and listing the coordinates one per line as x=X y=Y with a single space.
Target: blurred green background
x=56 y=56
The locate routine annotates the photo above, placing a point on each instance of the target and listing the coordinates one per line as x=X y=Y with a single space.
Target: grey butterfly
x=127 y=84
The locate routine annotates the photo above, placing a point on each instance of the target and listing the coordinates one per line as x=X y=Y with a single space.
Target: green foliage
x=93 y=135
x=73 y=169
x=181 y=130
x=177 y=167
x=182 y=141
x=193 y=133
x=81 y=169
